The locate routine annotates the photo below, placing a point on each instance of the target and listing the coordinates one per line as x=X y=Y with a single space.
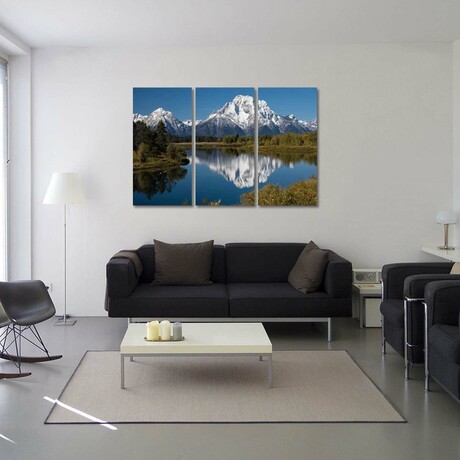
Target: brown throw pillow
x=183 y=264
x=307 y=273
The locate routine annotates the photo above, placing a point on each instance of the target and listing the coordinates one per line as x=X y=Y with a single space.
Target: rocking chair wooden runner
x=23 y=304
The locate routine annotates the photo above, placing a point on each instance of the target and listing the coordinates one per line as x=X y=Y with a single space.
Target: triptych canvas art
x=226 y=165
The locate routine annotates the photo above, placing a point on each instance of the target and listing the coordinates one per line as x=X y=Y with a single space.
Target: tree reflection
x=158 y=182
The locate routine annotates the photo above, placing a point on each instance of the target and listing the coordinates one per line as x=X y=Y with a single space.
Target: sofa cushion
x=154 y=301
x=183 y=264
x=445 y=340
x=277 y=300
x=308 y=272
x=261 y=262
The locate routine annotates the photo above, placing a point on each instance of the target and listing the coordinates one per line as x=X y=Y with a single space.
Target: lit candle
x=149 y=330
x=165 y=330
x=156 y=330
x=177 y=331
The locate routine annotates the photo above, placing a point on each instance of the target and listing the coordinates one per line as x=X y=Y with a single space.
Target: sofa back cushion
x=147 y=255
x=261 y=262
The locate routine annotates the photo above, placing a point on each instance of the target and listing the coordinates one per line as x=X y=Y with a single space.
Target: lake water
x=167 y=188
x=286 y=174
x=225 y=177
x=220 y=176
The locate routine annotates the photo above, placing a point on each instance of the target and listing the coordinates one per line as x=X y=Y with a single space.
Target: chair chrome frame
x=407 y=345
x=382 y=331
x=427 y=370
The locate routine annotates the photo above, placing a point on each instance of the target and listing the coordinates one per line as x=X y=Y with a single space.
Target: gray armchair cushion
x=442 y=299
x=446 y=341
x=183 y=264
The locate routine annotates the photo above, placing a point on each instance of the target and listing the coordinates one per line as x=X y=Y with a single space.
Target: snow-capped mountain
x=173 y=125
x=311 y=125
x=235 y=117
x=189 y=122
x=272 y=123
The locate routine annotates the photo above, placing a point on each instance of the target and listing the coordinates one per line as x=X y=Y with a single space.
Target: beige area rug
x=308 y=386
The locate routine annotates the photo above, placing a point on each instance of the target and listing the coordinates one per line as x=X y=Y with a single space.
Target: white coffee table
x=201 y=339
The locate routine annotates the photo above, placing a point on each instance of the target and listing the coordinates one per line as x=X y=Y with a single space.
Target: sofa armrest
x=442 y=299
x=414 y=285
x=121 y=277
x=338 y=276
x=394 y=275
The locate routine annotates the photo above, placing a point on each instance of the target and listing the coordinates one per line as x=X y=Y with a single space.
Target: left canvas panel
x=162 y=146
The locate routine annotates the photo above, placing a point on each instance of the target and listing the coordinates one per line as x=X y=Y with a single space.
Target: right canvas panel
x=288 y=147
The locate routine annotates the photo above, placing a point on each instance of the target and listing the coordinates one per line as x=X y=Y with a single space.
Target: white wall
x=385 y=153
x=456 y=136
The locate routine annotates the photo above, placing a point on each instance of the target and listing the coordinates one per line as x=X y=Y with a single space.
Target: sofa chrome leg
x=329 y=330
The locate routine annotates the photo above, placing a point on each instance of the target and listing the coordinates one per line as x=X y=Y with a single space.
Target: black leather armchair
x=402 y=306
x=442 y=332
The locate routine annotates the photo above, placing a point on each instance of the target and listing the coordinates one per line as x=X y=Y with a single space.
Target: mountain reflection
x=238 y=168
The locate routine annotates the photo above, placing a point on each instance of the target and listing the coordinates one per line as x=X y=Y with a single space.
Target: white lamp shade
x=64 y=188
x=446 y=217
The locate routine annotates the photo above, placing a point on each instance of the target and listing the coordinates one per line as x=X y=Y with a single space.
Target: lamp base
x=446 y=247
x=65 y=321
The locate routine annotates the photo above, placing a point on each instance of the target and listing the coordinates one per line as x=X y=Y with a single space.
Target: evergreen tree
x=161 y=137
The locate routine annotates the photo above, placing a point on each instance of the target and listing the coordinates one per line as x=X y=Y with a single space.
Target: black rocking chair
x=23 y=304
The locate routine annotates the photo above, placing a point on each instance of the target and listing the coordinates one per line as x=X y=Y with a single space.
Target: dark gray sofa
x=250 y=283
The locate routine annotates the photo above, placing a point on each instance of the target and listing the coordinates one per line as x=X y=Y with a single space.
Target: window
x=3 y=166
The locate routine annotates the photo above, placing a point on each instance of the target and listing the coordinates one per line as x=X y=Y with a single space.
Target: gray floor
x=432 y=431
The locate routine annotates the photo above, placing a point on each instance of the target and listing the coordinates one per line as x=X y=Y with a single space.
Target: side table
x=361 y=292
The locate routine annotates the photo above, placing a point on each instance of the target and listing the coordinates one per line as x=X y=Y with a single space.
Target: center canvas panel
x=162 y=146
x=225 y=162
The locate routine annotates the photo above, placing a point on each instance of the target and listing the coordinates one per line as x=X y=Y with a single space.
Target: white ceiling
x=43 y=23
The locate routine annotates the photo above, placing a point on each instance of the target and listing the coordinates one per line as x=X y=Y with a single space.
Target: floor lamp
x=64 y=189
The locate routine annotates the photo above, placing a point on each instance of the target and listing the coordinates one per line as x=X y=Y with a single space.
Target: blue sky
x=302 y=102
x=176 y=100
x=209 y=100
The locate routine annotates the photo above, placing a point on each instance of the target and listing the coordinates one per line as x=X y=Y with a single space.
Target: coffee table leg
x=260 y=358
x=122 y=372
x=270 y=371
